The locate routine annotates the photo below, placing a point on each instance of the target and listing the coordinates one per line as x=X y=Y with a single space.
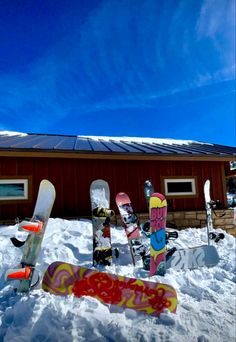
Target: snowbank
x=206 y=308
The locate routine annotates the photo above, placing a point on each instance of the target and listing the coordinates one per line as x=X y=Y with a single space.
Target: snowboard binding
x=103 y=212
x=215 y=204
x=216 y=237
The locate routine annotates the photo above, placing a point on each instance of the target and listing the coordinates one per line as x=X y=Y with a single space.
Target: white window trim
x=180 y=180
x=16 y=181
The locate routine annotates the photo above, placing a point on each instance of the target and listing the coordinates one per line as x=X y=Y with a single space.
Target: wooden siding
x=72 y=179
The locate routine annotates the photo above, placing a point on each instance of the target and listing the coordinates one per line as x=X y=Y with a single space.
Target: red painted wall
x=72 y=179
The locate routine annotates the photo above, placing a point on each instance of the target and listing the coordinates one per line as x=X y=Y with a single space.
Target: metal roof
x=13 y=141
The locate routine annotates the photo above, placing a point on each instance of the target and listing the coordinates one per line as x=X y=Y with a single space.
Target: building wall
x=221 y=219
x=72 y=179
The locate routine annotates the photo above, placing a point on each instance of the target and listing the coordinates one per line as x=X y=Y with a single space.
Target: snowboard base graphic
x=64 y=279
x=138 y=248
x=158 y=215
x=193 y=258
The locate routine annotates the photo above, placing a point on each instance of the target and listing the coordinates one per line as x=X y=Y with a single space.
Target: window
x=14 y=189
x=180 y=187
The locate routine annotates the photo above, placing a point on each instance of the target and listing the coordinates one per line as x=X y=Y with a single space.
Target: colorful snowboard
x=100 y=203
x=191 y=258
x=64 y=279
x=132 y=229
x=158 y=215
x=32 y=245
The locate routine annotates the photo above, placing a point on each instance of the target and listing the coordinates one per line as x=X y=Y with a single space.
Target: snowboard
x=64 y=279
x=208 y=209
x=145 y=227
x=132 y=229
x=101 y=215
x=148 y=190
x=158 y=216
x=36 y=228
x=192 y=258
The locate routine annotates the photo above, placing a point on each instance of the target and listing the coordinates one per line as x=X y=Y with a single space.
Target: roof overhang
x=110 y=156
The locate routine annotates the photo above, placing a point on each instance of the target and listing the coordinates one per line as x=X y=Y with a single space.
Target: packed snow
x=206 y=296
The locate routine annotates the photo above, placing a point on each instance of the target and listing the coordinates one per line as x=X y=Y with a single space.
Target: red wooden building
x=176 y=168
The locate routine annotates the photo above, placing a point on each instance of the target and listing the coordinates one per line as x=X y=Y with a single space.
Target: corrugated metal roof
x=13 y=141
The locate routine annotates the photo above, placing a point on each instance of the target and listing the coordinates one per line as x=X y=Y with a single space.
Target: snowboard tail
x=144 y=296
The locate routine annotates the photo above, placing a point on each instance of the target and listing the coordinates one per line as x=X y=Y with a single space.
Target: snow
x=160 y=141
x=11 y=133
x=206 y=296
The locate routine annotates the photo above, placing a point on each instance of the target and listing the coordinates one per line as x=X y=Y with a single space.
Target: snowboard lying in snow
x=192 y=258
x=148 y=297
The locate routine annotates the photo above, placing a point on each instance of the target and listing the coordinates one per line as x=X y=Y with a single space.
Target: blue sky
x=150 y=68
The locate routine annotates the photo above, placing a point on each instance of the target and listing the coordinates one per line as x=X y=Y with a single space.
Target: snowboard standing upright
x=36 y=228
x=148 y=191
x=132 y=229
x=209 y=205
x=101 y=214
x=208 y=209
x=148 y=297
x=158 y=216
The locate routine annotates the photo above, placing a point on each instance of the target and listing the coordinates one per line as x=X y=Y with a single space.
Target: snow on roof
x=11 y=133
x=161 y=141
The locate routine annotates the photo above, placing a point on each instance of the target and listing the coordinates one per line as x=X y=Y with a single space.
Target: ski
x=36 y=229
x=101 y=217
x=130 y=222
x=158 y=215
x=147 y=297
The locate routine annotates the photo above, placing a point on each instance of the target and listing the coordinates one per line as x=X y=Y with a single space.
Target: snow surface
x=206 y=296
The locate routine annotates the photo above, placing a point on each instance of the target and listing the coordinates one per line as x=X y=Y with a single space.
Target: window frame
x=25 y=180
x=180 y=179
